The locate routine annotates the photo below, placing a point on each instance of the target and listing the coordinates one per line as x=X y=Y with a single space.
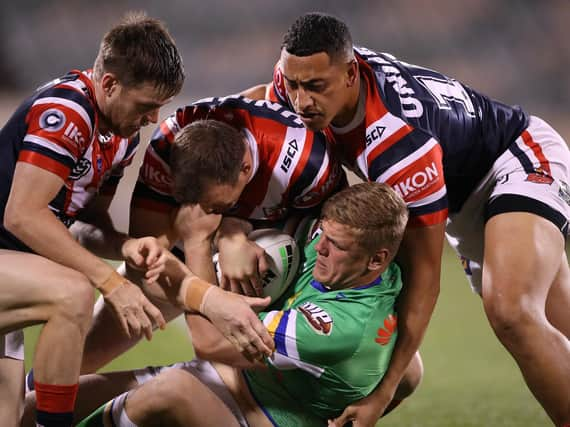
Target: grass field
x=470 y=381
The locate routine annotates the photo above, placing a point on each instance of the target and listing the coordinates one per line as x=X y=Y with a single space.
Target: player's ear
x=352 y=72
x=109 y=83
x=379 y=260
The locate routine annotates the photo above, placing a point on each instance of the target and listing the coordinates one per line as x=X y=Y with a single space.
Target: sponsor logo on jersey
x=539 y=176
x=385 y=333
x=80 y=169
x=292 y=150
x=374 y=134
x=418 y=181
x=73 y=134
x=317 y=318
x=155 y=175
x=52 y=120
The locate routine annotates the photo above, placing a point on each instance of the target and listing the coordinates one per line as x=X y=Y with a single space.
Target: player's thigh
x=558 y=300
x=523 y=253
x=31 y=285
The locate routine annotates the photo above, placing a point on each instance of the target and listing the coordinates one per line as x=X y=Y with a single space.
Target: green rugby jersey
x=332 y=347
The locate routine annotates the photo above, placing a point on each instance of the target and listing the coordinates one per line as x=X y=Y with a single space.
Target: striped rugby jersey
x=56 y=129
x=292 y=167
x=430 y=137
x=331 y=347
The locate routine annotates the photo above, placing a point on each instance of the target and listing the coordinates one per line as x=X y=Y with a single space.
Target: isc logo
x=318 y=318
x=292 y=149
x=374 y=135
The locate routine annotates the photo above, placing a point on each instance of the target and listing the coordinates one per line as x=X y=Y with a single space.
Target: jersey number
x=445 y=91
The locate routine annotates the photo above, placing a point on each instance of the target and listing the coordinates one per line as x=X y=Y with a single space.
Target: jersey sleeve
x=308 y=336
x=153 y=190
x=59 y=129
x=411 y=162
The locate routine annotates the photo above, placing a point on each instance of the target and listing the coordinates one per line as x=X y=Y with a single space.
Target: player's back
x=472 y=129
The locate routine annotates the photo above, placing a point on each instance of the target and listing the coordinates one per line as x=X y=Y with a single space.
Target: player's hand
x=145 y=254
x=233 y=315
x=365 y=412
x=243 y=264
x=134 y=311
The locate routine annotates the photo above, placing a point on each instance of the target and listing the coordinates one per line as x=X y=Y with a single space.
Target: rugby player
x=246 y=160
x=334 y=331
x=67 y=142
x=495 y=174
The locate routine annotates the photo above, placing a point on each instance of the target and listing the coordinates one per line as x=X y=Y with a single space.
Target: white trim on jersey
x=281 y=178
x=50 y=145
x=172 y=124
x=429 y=199
x=292 y=360
x=69 y=104
x=408 y=160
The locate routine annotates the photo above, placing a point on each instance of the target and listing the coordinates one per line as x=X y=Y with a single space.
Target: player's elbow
x=15 y=220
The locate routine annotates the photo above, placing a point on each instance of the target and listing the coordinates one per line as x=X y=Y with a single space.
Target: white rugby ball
x=283 y=259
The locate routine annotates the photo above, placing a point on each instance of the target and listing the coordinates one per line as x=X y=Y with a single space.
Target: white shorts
x=531 y=176
x=207 y=374
x=12 y=345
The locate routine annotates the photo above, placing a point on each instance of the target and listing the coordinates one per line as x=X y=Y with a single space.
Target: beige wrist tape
x=192 y=292
x=113 y=282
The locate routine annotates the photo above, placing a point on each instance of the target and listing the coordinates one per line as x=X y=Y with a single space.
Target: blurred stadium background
x=517 y=51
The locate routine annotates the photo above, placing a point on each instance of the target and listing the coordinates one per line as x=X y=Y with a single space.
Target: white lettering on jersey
x=444 y=91
x=74 y=134
x=318 y=318
x=417 y=181
x=411 y=106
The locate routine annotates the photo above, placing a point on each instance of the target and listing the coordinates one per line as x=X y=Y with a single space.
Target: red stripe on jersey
x=165 y=130
x=421 y=178
x=529 y=142
x=44 y=162
x=428 y=219
x=150 y=204
x=391 y=140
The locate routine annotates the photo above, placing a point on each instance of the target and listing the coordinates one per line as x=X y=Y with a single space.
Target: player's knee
x=510 y=315
x=172 y=389
x=74 y=300
x=411 y=379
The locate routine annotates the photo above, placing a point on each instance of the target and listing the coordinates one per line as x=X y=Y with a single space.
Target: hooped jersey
x=292 y=167
x=430 y=137
x=332 y=347
x=56 y=129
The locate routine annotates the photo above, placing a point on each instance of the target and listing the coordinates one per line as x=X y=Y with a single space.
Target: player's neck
x=351 y=106
x=103 y=125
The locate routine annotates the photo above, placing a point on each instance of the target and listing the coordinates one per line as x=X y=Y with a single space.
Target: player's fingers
x=257 y=286
x=154 y=252
x=225 y=283
x=262 y=264
x=258 y=304
x=247 y=287
x=259 y=337
x=134 y=325
x=344 y=418
x=235 y=286
x=146 y=325
x=154 y=314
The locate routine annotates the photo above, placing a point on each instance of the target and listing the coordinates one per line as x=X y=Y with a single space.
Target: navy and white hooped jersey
x=428 y=136
x=56 y=129
x=292 y=167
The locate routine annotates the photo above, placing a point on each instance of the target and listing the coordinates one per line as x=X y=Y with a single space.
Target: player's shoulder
x=70 y=95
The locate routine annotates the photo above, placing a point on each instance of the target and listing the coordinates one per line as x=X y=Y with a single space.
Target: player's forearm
x=105 y=243
x=47 y=236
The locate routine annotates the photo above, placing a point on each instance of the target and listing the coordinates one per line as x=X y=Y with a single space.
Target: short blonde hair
x=376 y=213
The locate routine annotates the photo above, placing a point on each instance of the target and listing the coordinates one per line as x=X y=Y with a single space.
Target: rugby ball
x=283 y=259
